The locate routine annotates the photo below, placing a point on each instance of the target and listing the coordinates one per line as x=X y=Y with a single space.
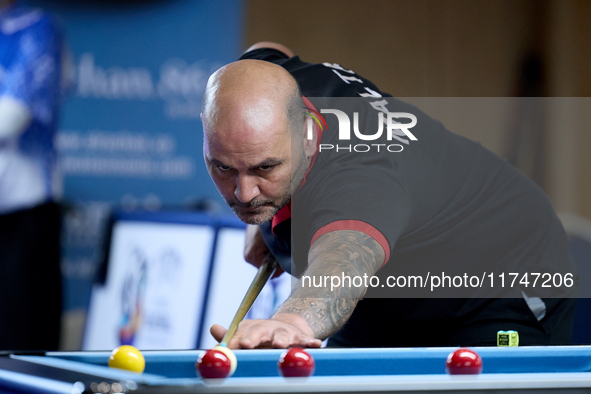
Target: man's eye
x=266 y=168
x=223 y=168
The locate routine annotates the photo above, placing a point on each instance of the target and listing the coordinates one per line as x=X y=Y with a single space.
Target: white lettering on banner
x=122 y=154
x=115 y=141
x=180 y=84
x=180 y=109
x=177 y=78
x=180 y=168
x=114 y=82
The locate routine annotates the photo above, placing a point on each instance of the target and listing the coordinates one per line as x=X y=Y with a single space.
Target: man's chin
x=257 y=216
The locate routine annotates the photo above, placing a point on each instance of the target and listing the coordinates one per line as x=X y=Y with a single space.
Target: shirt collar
x=285 y=212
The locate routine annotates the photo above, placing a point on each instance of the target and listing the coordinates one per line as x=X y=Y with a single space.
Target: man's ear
x=310 y=144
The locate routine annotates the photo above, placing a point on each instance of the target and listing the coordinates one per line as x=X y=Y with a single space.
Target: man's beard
x=239 y=208
x=285 y=198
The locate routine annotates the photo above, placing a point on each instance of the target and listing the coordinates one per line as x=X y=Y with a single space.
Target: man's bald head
x=252 y=89
x=249 y=109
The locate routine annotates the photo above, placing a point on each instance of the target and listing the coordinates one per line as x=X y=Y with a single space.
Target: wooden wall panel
x=408 y=48
x=455 y=48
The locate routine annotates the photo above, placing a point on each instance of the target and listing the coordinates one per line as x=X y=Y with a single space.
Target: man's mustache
x=249 y=205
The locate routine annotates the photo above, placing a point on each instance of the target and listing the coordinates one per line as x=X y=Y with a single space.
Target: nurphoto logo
x=394 y=129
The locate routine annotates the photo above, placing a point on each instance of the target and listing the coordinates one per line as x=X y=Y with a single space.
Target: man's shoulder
x=318 y=79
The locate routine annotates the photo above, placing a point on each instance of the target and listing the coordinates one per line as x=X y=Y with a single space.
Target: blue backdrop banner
x=130 y=132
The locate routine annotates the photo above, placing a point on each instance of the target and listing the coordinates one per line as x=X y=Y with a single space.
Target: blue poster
x=130 y=127
x=130 y=134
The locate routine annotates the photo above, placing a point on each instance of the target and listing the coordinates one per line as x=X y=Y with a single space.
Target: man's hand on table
x=281 y=331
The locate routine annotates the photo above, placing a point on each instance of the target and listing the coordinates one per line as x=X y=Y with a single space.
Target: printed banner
x=130 y=131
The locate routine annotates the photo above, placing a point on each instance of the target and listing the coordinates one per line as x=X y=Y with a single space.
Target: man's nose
x=246 y=189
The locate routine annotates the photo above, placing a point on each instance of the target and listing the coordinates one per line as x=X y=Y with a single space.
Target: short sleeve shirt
x=442 y=204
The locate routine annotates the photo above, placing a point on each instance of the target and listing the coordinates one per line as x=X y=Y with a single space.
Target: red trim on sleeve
x=281 y=216
x=358 y=226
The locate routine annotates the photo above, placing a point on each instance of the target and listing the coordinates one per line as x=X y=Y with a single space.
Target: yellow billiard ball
x=128 y=358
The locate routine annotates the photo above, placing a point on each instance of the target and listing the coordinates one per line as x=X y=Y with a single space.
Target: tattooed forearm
x=346 y=252
x=324 y=316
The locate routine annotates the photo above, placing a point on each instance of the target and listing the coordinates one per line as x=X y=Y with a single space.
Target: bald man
x=444 y=201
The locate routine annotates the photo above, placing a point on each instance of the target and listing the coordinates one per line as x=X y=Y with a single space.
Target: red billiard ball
x=214 y=364
x=296 y=362
x=463 y=362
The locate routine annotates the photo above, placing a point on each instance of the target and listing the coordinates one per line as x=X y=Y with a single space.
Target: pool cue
x=265 y=271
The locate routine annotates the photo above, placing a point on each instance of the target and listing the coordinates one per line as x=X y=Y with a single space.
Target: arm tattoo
x=338 y=253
